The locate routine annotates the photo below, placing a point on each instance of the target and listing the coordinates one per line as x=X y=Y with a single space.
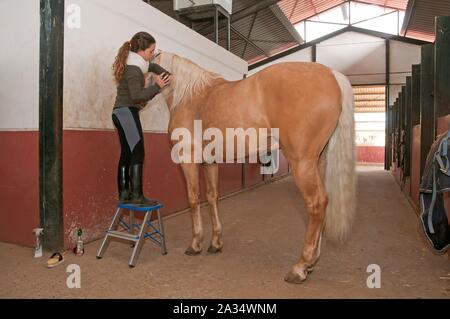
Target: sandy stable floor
x=263 y=234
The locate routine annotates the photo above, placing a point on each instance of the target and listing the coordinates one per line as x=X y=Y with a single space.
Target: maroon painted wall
x=90 y=191
x=253 y=175
x=19 y=186
x=90 y=159
x=370 y=154
x=89 y=182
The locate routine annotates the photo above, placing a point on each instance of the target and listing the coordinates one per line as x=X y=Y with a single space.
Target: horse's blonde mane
x=189 y=78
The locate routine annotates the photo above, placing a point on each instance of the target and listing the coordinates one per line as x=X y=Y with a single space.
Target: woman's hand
x=149 y=80
x=163 y=80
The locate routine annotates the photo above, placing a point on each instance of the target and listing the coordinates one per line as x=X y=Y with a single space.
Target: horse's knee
x=323 y=201
x=194 y=199
x=317 y=205
x=212 y=196
x=194 y=204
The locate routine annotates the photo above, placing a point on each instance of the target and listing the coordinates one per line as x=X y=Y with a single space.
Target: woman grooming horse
x=133 y=92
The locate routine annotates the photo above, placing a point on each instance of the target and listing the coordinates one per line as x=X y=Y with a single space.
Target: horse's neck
x=194 y=101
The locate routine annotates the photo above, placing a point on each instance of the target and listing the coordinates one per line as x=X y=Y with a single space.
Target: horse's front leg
x=212 y=193
x=191 y=174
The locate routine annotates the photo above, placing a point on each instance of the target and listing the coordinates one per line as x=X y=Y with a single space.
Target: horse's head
x=168 y=90
x=187 y=77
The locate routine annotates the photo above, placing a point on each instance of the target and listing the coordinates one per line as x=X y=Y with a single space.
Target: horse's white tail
x=340 y=172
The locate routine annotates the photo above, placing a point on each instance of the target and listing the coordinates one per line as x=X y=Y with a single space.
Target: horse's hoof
x=214 y=250
x=191 y=252
x=295 y=278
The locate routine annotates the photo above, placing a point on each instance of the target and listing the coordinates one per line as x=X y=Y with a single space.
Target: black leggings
x=128 y=125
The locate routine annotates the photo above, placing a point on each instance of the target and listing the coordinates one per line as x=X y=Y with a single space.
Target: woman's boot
x=136 y=195
x=123 y=183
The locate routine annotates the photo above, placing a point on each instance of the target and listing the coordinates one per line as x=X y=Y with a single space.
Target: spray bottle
x=38 y=248
x=79 y=250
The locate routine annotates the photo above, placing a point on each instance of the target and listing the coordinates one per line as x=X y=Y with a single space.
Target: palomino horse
x=311 y=105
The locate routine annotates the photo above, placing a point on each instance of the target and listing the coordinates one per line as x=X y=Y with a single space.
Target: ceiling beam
x=241 y=14
x=253 y=10
x=249 y=34
x=408 y=14
x=333 y=34
x=249 y=42
x=286 y=23
x=296 y=49
x=375 y=4
x=261 y=5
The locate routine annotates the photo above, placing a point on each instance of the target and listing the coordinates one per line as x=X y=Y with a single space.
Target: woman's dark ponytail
x=140 y=41
x=121 y=61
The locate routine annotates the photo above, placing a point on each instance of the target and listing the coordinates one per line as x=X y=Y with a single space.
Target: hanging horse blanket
x=435 y=182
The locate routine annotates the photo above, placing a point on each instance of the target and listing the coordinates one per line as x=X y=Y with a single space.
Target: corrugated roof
x=240 y=5
x=258 y=34
x=422 y=13
x=263 y=32
x=396 y=4
x=298 y=10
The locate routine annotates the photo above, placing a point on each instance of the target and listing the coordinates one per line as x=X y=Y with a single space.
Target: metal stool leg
x=131 y=224
x=163 y=235
x=131 y=221
x=106 y=240
x=140 y=242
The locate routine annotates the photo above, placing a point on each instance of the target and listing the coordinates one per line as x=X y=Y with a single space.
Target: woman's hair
x=140 y=41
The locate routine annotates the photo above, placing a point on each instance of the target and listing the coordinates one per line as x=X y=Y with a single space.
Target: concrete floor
x=263 y=233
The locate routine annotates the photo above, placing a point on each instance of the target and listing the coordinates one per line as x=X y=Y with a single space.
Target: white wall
x=89 y=92
x=359 y=56
x=394 y=90
x=403 y=56
x=19 y=65
x=362 y=58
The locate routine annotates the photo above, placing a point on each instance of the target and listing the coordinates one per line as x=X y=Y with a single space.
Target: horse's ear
x=157 y=55
x=162 y=60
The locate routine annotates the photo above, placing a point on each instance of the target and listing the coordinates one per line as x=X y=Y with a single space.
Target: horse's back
x=298 y=98
x=302 y=99
x=298 y=86
x=298 y=71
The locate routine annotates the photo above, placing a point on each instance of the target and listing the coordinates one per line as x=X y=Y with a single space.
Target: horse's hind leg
x=212 y=193
x=308 y=180
x=191 y=174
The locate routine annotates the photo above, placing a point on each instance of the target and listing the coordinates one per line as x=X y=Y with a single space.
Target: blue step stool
x=147 y=229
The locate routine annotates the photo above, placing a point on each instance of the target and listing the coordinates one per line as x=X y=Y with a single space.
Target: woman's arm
x=156 y=68
x=138 y=92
